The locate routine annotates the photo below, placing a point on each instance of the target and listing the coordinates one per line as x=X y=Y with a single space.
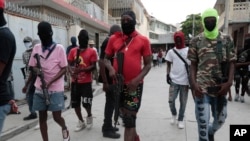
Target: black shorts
x=131 y=101
x=79 y=92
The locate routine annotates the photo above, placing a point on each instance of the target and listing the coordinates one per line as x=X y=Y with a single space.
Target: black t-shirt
x=102 y=55
x=7 y=53
x=242 y=57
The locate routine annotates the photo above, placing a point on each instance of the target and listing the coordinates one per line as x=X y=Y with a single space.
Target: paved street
x=153 y=122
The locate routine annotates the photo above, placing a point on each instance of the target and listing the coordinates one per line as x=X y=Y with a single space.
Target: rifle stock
x=118 y=85
x=41 y=75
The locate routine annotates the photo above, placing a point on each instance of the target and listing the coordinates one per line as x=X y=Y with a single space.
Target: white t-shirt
x=178 y=72
x=155 y=56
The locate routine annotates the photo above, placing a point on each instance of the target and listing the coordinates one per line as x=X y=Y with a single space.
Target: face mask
x=210 y=26
x=128 y=28
x=27 y=45
x=83 y=43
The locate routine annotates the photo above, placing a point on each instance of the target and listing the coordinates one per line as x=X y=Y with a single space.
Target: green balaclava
x=211 y=12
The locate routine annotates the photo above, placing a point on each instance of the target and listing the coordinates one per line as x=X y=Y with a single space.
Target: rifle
x=118 y=86
x=41 y=75
x=76 y=64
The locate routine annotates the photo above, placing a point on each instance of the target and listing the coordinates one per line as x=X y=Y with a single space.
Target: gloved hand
x=169 y=80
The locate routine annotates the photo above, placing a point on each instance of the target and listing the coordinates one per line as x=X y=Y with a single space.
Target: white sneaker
x=173 y=120
x=66 y=135
x=37 y=127
x=89 y=121
x=236 y=98
x=80 y=126
x=181 y=124
x=242 y=100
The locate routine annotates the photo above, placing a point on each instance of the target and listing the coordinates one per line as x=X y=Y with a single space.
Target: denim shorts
x=56 y=101
x=4 y=110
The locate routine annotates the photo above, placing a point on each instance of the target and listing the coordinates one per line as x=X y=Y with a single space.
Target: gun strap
x=186 y=64
x=50 y=51
x=129 y=39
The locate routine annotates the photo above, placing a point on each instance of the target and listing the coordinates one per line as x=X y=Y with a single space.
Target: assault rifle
x=41 y=75
x=76 y=64
x=118 y=86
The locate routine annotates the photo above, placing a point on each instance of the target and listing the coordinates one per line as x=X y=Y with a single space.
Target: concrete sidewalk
x=153 y=122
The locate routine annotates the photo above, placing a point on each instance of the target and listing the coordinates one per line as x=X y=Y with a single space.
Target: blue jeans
x=202 y=112
x=4 y=110
x=174 y=90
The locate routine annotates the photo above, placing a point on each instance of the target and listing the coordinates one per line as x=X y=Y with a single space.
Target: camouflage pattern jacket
x=203 y=51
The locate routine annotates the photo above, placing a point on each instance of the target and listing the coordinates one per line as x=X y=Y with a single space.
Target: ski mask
x=73 y=40
x=45 y=34
x=114 y=28
x=179 y=40
x=2 y=19
x=128 y=22
x=210 y=23
x=83 y=39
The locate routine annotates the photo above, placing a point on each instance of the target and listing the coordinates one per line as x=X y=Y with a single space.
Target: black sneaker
x=111 y=134
x=115 y=129
x=31 y=116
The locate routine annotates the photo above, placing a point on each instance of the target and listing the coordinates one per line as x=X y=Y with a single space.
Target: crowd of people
x=199 y=66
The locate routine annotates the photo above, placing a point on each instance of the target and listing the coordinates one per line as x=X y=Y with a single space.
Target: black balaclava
x=114 y=28
x=83 y=39
x=128 y=26
x=2 y=19
x=73 y=40
x=45 y=34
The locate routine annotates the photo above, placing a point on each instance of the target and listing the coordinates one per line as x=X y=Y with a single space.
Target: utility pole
x=227 y=4
x=193 y=25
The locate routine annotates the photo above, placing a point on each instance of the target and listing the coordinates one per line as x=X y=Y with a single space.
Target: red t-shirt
x=138 y=47
x=87 y=58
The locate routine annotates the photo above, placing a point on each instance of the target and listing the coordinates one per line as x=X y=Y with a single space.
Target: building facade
x=234 y=19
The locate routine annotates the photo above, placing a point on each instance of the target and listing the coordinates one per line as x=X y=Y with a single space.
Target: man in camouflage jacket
x=206 y=74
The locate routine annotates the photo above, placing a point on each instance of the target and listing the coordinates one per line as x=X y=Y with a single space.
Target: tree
x=187 y=25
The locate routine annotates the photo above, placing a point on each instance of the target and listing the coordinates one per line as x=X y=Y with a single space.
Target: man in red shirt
x=82 y=61
x=134 y=46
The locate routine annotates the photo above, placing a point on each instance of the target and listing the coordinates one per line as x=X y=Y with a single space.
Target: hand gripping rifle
x=118 y=85
x=41 y=75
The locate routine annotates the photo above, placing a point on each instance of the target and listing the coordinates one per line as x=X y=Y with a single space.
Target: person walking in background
x=241 y=71
x=53 y=62
x=177 y=78
x=95 y=71
x=73 y=41
x=82 y=61
x=7 y=53
x=136 y=49
x=160 y=55
x=107 y=129
x=155 y=57
x=30 y=78
x=209 y=81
